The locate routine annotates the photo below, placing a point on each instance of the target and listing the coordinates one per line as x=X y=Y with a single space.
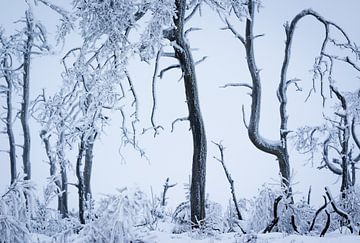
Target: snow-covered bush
x=118 y=218
x=47 y=220
x=352 y=203
x=292 y=216
x=16 y=208
x=214 y=219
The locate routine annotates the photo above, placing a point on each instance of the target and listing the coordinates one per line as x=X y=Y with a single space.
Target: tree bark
x=9 y=124
x=89 y=155
x=63 y=206
x=183 y=54
x=80 y=185
x=24 y=115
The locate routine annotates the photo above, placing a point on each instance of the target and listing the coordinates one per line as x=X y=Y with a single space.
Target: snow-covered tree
x=324 y=64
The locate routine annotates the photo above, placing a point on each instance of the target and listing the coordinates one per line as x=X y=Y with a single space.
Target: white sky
x=171 y=153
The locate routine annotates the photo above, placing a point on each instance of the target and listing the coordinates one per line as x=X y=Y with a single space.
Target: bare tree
x=6 y=66
x=198 y=175
x=337 y=139
x=279 y=148
x=176 y=34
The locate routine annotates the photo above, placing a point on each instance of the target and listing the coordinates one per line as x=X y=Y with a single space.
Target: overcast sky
x=170 y=154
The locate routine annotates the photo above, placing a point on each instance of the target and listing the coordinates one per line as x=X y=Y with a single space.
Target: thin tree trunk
x=80 y=181
x=24 y=116
x=64 y=188
x=64 y=183
x=89 y=155
x=183 y=54
x=9 y=125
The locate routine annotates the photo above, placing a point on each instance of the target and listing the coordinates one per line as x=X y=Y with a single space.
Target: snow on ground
x=164 y=237
x=161 y=237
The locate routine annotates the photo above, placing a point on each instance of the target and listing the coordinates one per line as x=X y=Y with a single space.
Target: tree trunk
x=183 y=54
x=80 y=181
x=63 y=206
x=24 y=115
x=64 y=188
x=89 y=155
x=9 y=124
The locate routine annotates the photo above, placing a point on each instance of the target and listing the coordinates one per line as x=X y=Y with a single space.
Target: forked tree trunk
x=277 y=148
x=183 y=54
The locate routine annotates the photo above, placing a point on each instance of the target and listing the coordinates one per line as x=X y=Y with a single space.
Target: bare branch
x=167 y=69
x=328 y=164
x=187 y=18
x=155 y=127
x=235 y=33
x=191 y=29
x=178 y=120
x=243 y=117
x=236 y=85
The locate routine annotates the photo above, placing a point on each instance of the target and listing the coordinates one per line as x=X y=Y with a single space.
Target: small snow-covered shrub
x=47 y=220
x=350 y=205
x=262 y=213
x=214 y=219
x=16 y=207
x=117 y=218
x=232 y=219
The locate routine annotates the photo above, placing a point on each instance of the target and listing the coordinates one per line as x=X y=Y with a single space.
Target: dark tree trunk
x=183 y=54
x=24 y=115
x=63 y=206
x=80 y=181
x=9 y=124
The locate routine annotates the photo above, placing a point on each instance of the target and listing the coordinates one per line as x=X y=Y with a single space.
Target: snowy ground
x=164 y=237
x=160 y=237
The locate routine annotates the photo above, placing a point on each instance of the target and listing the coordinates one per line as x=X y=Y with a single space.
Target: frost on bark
x=183 y=54
x=24 y=113
x=9 y=117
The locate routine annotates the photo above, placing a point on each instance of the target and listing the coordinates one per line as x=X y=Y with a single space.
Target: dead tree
x=228 y=176
x=6 y=63
x=177 y=36
x=187 y=64
x=56 y=159
x=276 y=148
x=24 y=113
x=279 y=148
x=167 y=186
x=341 y=130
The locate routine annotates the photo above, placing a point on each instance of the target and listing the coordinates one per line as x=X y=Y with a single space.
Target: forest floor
x=165 y=237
